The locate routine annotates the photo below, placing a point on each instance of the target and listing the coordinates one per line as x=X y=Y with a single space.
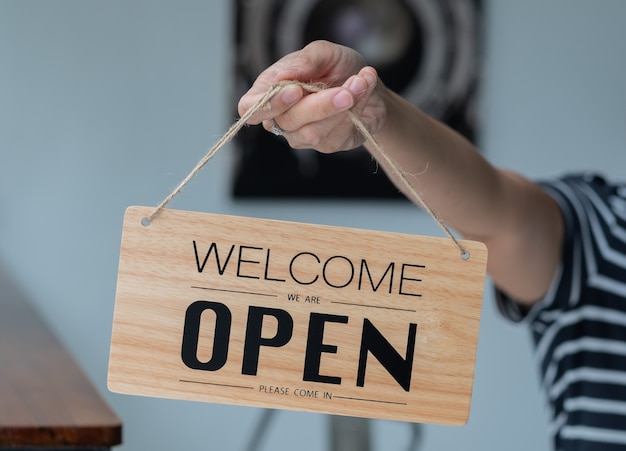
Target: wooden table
x=46 y=400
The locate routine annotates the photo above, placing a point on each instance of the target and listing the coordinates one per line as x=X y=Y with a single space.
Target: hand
x=318 y=120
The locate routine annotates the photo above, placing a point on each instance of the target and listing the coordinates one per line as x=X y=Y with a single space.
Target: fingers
x=317 y=120
x=314 y=108
x=281 y=102
x=362 y=84
x=319 y=61
x=323 y=104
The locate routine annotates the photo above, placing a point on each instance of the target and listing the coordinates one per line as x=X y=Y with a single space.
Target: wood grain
x=319 y=318
x=45 y=398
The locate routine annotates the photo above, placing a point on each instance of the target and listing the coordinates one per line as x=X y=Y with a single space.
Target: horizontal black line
x=219 y=385
x=374 y=306
x=236 y=291
x=370 y=400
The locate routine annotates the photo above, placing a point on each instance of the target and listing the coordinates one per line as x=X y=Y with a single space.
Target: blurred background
x=107 y=104
x=429 y=51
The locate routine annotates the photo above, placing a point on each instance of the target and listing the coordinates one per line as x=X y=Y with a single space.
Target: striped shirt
x=579 y=328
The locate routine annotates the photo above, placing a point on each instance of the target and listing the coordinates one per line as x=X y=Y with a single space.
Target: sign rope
x=312 y=88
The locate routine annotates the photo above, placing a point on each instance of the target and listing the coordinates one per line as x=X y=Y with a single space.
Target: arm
x=519 y=223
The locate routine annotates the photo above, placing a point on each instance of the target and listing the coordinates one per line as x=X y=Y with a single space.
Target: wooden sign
x=286 y=315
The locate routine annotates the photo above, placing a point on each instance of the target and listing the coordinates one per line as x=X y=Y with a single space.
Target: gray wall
x=109 y=104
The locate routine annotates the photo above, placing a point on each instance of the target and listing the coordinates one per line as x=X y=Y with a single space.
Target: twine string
x=228 y=136
x=358 y=123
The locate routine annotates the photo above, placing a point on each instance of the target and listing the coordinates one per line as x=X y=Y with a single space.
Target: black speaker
x=426 y=50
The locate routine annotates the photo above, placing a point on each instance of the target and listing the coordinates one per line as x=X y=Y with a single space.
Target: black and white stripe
x=579 y=328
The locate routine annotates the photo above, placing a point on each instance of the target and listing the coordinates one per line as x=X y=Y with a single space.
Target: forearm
x=446 y=170
x=520 y=224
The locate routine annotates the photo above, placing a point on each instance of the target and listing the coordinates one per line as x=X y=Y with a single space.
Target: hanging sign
x=286 y=315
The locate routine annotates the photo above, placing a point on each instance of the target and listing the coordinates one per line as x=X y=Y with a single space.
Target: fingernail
x=358 y=85
x=342 y=101
x=291 y=94
x=369 y=78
